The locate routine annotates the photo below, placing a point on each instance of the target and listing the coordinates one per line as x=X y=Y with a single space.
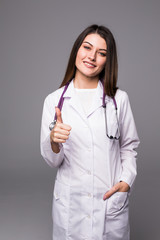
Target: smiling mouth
x=88 y=64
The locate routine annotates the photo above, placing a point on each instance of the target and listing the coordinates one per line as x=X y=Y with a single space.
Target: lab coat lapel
x=98 y=99
x=74 y=101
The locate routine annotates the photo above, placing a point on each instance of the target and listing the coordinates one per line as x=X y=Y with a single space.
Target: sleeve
x=129 y=141
x=53 y=159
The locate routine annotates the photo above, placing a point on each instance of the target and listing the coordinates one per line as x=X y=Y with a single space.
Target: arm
x=129 y=141
x=53 y=159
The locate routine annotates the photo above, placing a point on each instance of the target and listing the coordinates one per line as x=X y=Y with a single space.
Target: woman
x=91 y=142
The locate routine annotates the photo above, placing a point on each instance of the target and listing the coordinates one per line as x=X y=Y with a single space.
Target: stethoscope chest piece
x=52 y=124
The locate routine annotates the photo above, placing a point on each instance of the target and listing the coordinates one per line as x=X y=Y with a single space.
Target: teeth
x=89 y=64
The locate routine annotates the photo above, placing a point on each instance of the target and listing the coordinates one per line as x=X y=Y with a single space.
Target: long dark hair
x=110 y=72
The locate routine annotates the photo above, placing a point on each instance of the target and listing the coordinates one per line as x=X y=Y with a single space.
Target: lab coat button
x=89 y=172
x=88 y=216
x=89 y=195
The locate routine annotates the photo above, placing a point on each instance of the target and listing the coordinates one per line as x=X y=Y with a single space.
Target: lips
x=88 y=64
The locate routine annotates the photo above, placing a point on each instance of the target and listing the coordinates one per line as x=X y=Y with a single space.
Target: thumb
x=58 y=114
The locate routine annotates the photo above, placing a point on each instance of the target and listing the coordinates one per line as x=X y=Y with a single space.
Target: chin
x=90 y=75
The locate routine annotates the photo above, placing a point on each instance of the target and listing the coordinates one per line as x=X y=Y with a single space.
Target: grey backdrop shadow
x=36 y=39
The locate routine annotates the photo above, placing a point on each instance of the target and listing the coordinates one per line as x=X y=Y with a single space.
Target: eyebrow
x=101 y=49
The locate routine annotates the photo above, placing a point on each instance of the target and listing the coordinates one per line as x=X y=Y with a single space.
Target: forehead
x=96 y=40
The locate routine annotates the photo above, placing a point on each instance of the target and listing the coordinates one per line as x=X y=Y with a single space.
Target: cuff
x=53 y=159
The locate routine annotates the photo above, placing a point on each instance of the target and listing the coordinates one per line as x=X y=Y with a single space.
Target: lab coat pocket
x=117 y=217
x=61 y=199
x=116 y=202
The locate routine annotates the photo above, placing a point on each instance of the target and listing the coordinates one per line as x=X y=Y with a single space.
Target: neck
x=84 y=82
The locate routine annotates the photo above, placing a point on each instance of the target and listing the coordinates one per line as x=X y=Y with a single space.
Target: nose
x=92 y=56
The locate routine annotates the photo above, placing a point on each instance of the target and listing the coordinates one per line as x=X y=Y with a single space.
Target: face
x=91 y=56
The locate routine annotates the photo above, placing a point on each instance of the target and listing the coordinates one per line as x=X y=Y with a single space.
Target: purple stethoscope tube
x=60 y=105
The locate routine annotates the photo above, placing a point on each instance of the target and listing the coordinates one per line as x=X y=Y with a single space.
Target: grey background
x=35 y=42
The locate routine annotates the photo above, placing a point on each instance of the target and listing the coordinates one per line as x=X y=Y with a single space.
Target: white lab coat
x=89 y=164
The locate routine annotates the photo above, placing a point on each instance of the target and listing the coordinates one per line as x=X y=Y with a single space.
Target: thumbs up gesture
x=58 y=114
x=60 y=133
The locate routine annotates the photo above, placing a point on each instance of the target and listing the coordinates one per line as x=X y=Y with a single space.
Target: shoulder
x=121 y=96
x=122 y=101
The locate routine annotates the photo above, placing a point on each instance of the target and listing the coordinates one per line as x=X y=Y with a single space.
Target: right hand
x=60 y=133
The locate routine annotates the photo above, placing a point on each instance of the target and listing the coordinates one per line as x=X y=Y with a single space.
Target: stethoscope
x=60 y=105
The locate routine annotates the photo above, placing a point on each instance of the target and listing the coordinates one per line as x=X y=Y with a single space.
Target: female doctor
x=88 y=133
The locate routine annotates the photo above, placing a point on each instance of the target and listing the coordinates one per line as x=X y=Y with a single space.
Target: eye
x=87 y=47
x=102 y=54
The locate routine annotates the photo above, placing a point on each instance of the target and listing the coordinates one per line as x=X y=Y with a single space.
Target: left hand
x=119 y=187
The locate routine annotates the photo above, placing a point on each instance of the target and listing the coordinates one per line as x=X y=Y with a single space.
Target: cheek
x=102 y=63
x=80 y=54
x=79 y=58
